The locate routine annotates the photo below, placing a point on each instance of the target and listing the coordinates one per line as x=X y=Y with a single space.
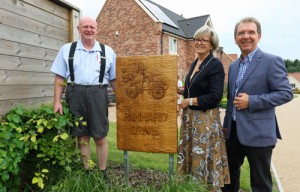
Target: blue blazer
x=267 y=85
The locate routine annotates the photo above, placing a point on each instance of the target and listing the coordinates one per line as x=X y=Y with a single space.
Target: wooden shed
x=31 y=33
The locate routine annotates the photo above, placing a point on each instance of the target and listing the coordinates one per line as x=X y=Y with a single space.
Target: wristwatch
x=191 y=102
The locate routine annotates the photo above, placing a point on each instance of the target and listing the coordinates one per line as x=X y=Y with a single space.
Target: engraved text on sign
x=146 y=103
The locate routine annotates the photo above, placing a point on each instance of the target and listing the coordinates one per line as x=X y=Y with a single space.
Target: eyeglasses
x=202 y=41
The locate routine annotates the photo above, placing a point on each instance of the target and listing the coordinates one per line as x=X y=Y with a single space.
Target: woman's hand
x=184 y=103
x=180 y=90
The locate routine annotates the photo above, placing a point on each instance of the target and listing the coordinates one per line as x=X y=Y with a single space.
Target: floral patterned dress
x=202 y=150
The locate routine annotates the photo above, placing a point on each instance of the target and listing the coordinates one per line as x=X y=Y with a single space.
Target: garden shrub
x=223 y=103
x=296 y=91
x=35 y=144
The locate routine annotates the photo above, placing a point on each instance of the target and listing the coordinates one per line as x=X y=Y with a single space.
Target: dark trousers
x=259 y=159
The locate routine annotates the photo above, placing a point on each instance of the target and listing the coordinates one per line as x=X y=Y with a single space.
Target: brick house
x=142 y=27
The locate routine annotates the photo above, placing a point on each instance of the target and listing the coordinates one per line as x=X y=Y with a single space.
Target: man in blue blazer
x=257 y=83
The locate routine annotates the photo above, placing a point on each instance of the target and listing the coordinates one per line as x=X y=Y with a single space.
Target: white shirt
x=86 y=64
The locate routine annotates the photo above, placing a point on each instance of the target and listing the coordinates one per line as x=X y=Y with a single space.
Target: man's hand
x=180 y=90
x=241 y=101
x=58 y=90
x=58 y=108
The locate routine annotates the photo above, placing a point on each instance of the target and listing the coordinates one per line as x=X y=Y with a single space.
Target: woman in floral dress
x=202 y=151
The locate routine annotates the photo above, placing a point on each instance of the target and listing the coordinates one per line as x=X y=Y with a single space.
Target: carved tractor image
x=139 y=82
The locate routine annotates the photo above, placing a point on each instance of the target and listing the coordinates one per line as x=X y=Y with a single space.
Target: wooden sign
x=146 y=104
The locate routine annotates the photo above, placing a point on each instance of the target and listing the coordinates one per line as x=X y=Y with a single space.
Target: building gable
x=294 y=79
x=296 y=75
x=128 y=29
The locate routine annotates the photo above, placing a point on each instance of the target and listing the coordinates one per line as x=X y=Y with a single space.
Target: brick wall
x=226 y=61
x=126 y=27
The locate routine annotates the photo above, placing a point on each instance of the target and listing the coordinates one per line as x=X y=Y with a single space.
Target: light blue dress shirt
x=242 y=70
x=86 y=64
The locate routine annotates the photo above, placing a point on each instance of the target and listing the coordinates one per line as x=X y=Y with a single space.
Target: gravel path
x=286 y=155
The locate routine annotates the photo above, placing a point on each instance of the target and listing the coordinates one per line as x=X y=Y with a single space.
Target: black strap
x=71 y=58
x=102 y=66
x=103 y=63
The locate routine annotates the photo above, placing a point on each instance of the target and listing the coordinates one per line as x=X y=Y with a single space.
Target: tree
x=292 y=66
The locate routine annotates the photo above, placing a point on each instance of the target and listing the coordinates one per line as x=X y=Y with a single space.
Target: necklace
x=193 y=79
x=196 y=69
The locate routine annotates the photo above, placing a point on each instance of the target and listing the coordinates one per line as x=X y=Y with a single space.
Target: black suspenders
x=102 y=66
x=71 y=58
x=103 y=63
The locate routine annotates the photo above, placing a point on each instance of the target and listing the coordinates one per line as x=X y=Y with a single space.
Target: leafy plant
x=36 y=141
x=223 y=102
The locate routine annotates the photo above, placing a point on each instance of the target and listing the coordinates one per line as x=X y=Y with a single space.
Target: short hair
x=248 y=20
x=214 y=39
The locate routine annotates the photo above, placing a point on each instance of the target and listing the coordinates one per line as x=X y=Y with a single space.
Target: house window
x=293 y=85
x=172 y=45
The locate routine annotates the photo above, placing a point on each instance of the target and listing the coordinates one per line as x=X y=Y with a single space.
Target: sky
x=279 y=20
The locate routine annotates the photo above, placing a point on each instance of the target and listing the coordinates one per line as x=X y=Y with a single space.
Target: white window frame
x=172 y=45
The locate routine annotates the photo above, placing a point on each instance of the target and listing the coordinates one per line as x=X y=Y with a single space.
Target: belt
x=79 y=85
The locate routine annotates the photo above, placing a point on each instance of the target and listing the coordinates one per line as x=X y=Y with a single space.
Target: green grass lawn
x=157 y=161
